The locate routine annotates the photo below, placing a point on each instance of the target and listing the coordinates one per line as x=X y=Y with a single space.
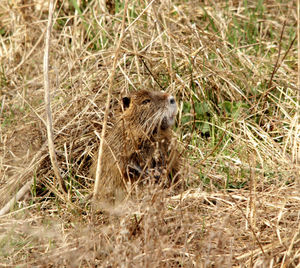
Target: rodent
x=139 y=146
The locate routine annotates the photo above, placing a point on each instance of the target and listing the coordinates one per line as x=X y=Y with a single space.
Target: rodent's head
x=150 y=110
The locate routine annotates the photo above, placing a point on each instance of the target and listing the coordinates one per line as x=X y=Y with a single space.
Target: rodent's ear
x=126 y=102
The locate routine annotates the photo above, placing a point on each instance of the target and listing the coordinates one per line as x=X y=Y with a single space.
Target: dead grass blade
x=48 y=102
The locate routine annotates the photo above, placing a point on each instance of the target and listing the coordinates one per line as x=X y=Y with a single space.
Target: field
x=233 y=68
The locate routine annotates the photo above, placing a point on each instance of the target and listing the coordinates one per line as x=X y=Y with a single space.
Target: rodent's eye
x=146 y=101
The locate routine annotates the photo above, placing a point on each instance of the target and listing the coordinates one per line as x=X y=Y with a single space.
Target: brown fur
x=140 y=145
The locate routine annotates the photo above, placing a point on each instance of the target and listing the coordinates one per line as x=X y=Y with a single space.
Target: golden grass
x=233 y=69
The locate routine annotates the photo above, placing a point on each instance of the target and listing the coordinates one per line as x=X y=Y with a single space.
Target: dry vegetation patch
x=232 y=66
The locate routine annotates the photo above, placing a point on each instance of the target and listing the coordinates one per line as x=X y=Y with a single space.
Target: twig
x=278 y=56
x=16 y=198
x=24 y=189
x=162 y=88
x=266 y=93
x=47 y=101
x=112 y=74
x=276 y=67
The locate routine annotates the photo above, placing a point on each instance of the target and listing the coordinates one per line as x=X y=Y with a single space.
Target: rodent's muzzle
x=170 y=113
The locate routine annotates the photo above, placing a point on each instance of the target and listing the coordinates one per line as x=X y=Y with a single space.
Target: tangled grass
x=232 y=66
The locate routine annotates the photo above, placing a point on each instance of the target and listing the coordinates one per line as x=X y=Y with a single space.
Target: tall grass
x=232 y=66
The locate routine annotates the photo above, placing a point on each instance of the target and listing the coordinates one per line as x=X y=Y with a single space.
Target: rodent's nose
x=172 y=100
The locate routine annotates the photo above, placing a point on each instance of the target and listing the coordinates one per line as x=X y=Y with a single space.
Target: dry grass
x=233 y=68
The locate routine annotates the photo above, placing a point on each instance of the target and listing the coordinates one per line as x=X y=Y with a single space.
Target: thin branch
x=16 y=198
x=278 y=56
x=276 y=67
x=156 y=80
x=112 y=74
x=33 y=164
x=47 y=100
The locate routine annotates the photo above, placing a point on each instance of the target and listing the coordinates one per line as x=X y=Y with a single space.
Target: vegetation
x=232 y=66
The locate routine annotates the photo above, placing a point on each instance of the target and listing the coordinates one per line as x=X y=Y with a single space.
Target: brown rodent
x=140 y=146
